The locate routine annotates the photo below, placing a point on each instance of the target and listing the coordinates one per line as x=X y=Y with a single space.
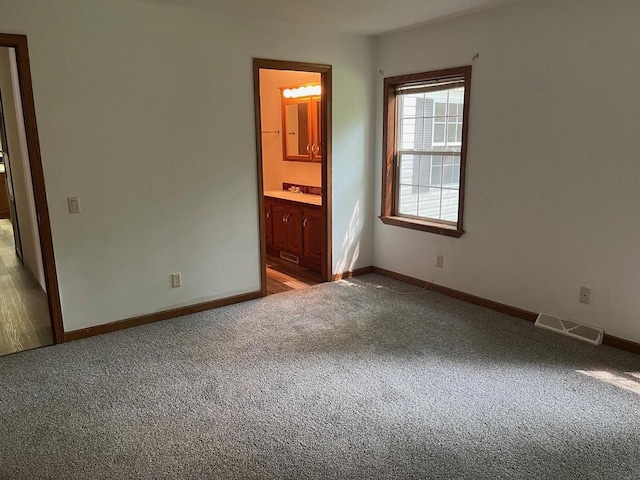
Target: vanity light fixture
x=306 y=91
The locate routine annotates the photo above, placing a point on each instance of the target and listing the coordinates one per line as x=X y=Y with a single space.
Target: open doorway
x=293 y=141
x=30 y=314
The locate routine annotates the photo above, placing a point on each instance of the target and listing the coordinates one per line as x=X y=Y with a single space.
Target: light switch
x=74 y=204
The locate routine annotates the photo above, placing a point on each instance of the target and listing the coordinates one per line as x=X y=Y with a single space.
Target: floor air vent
x=571 y=329
x=289 y=257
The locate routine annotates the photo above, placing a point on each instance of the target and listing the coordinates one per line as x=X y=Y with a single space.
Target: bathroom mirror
x=301 y=117
x=296 y=128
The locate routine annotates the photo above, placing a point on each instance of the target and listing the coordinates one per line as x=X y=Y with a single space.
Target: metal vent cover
x=289 y=257
x=580 y=331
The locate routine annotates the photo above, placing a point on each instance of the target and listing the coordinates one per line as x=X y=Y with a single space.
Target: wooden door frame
x=326 y=82
x=19 y=43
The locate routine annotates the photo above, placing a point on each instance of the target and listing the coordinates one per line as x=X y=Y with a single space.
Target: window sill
x=423 y=225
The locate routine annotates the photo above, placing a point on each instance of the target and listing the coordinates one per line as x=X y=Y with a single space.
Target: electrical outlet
x=585 y=295
x=440 y=261
x=176 y=280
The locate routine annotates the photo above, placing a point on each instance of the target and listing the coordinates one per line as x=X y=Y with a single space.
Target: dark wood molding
x=327 y=162
x=389 y=207
x=467 y=297
x=4 y=196
x=484 y=302
x=270 y=64
x=325 y=72
x=465 y=142
x=388 y=149
x=261 y=221
x=609 y=340
x=621 y=344
x=422 y=225
x=19 y=43
x=353 y=273
x=158 y=316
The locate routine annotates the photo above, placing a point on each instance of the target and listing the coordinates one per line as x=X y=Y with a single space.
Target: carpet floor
x=341 y=380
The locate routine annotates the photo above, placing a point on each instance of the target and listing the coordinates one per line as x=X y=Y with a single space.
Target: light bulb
x=306 y=91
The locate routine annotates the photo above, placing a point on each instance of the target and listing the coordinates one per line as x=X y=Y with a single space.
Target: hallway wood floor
x=24 y=313
x=283 y=276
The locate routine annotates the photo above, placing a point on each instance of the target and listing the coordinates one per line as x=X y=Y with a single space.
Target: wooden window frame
x=389 y=214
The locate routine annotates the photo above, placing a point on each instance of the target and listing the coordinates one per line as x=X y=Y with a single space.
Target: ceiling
x=368 y=17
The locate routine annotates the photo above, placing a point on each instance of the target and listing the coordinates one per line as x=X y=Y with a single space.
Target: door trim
x=19 y=43
x=326 y=82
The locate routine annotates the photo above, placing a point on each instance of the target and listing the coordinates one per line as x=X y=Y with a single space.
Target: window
x=425 y=132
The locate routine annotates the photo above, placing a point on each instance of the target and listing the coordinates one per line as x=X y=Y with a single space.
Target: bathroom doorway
x=293 y=144
x=30 y=315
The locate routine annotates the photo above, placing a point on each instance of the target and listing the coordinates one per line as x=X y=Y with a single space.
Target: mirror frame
x=314 y=127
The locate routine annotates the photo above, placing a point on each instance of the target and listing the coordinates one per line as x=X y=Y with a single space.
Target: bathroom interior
x=290 y=110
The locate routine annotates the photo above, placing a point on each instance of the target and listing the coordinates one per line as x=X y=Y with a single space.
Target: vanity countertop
x=294 y=197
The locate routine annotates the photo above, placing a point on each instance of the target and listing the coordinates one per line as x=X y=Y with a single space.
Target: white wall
x=20 y=166
x=275 y=169
x=553 y=171
x=145 y=111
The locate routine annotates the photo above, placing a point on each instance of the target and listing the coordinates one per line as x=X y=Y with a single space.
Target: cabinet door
x=4 y=197
x=313 y=234
x=280 y=227
x=294 y=237
x=268 y=223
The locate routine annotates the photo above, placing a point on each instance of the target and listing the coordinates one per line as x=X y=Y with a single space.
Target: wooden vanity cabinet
x=280 y=229
x=313 y=235
x=268 y=223
x=287 y=229
x=4 y=197
x=297 y=229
